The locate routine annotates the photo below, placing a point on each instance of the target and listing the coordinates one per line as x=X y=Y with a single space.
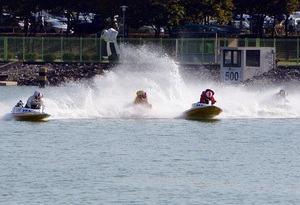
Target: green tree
x=288 y=7
x=206 y=10
x=241 y=7
x=160 y=13
x=24 y=9
x=155 y=12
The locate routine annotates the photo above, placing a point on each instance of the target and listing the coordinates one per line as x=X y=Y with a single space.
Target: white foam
x=111 y=95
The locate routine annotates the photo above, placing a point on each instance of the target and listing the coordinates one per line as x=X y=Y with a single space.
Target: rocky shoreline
x=28 y=74
x=57 y=74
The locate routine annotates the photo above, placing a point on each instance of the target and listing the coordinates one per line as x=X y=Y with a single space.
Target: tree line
x=161 y=13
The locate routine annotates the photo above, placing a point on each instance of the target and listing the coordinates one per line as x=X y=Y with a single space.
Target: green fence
x=50 y=49
x=287 y=50
x=191 y=51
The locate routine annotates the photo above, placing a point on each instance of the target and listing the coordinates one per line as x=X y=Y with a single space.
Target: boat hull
x=27 y=114
x=202 y=111
x=143 y=104
x=30 y=117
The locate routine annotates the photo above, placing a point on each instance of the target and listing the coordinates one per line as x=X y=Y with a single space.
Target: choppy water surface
x=96 y=149
x=150 y=161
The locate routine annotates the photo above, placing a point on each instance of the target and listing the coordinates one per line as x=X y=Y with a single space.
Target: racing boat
x=200 y=111
x=27 y=114
x=141 y=99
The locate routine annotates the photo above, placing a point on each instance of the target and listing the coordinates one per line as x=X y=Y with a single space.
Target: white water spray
x=169 y=91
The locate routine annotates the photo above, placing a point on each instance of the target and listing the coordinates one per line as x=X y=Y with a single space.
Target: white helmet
x=38 y=95
x=283 y=93
x=144 y=96
x=209 y=94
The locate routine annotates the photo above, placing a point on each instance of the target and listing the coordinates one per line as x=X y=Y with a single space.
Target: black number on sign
x=232 y=76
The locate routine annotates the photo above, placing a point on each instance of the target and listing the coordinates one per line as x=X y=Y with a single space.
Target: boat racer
x=35 y=101
x=142 y=98
x=20 y=104
x=281 y=96
x=207 y=96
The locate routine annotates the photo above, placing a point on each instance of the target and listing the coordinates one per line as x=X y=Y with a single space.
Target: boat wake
x=171 y=90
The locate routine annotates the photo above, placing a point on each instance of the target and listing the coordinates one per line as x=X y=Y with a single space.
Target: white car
x=55 y=26
x=245 y=26
x=145 y=29
x=297 y=24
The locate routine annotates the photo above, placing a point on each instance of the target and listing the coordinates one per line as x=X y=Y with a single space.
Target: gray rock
x=28 y=74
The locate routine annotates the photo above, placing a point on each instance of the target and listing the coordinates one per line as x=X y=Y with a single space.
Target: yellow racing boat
x=200 y=111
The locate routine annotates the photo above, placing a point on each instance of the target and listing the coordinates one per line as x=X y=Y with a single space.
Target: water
x=96 y=149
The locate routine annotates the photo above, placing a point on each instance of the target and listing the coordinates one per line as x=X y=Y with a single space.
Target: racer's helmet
x=38 y=95
x=140 y=92
x=209 y=94
x=283 y=93
x=144 y=96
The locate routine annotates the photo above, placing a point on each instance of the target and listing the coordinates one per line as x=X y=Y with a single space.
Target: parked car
x=145 y=29
x=203 y=31
x=8 y=23
x=245 y=25
x=297 y=24
x=55 y=26
x=95 y=25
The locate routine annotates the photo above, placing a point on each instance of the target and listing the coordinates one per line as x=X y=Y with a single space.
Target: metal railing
x=91 y=50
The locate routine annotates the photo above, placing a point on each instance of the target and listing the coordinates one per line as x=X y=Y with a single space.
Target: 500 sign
x=232 y=76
